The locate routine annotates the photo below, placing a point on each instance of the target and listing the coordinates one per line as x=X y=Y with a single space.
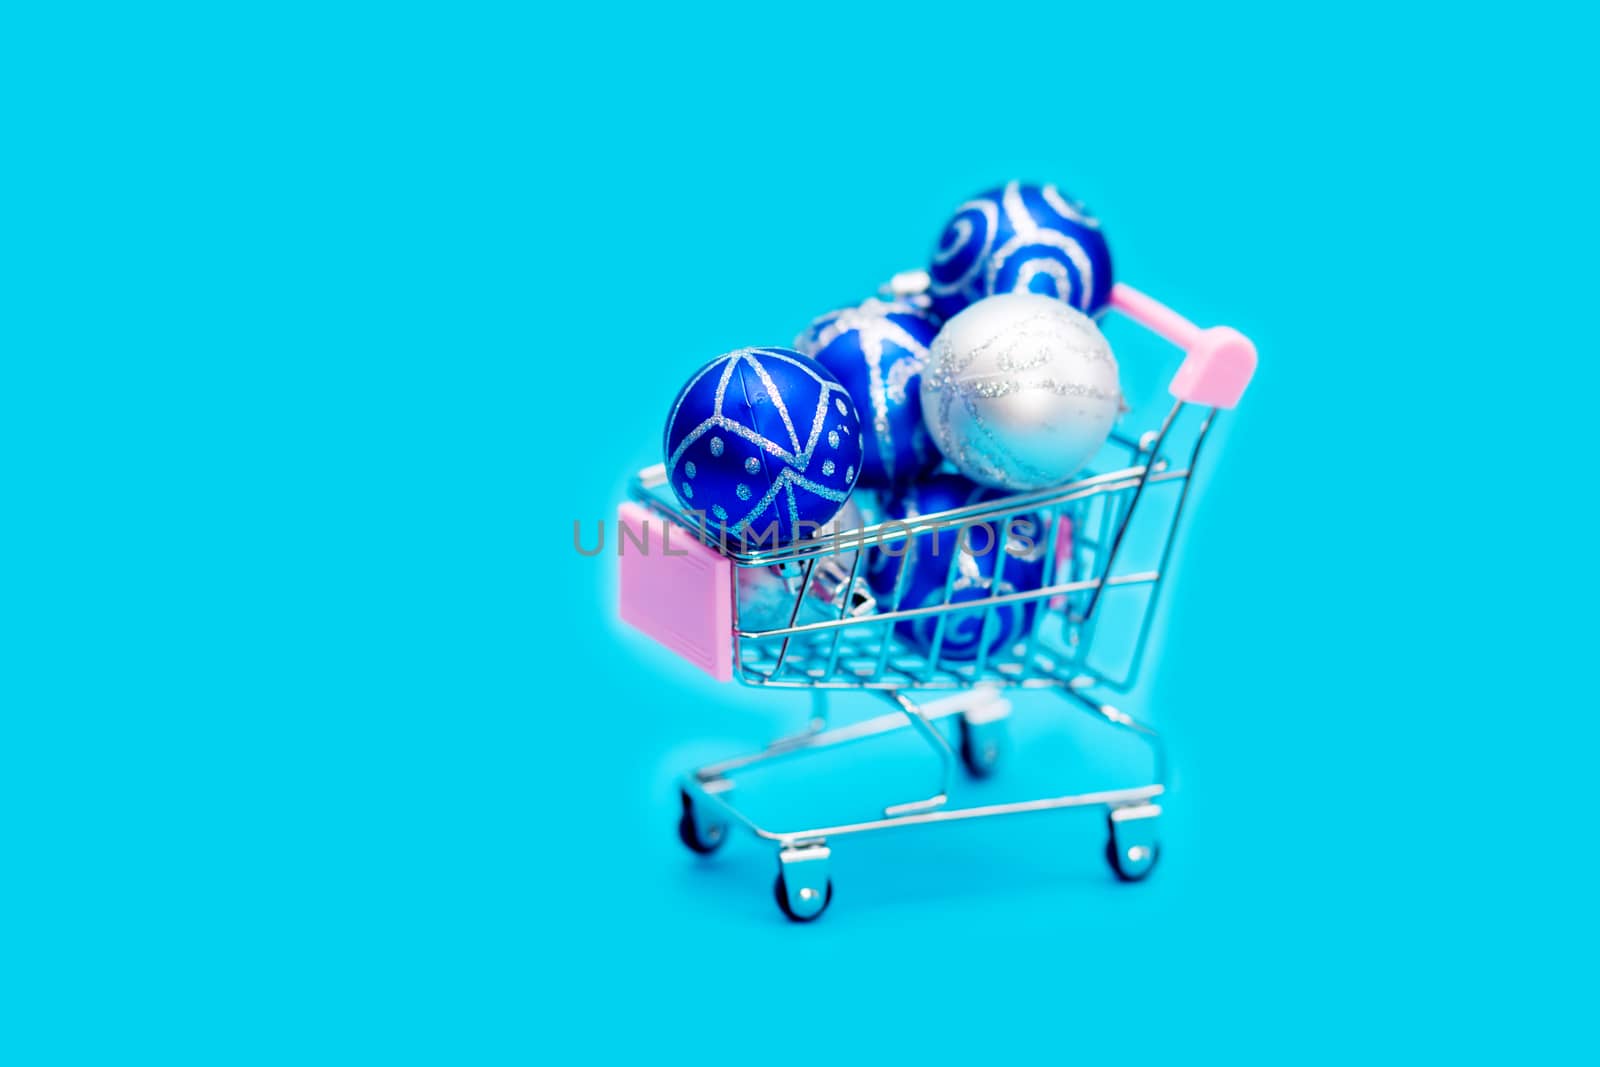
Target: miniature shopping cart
x=1111 y=536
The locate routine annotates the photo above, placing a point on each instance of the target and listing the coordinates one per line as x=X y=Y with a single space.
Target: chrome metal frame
x=862 y=652
x=1101 y=507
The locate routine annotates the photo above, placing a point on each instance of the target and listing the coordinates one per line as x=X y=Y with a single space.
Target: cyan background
x=322 y=327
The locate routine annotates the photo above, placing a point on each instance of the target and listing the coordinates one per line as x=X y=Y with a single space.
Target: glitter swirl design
x=877 y=350
x=1020 y=391
x=1021 y=238
x=983 y=568
x=963 y=630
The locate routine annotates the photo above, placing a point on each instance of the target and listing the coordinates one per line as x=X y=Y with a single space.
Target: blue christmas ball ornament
x=988 y=562
x=1022 y=238
x=763 y=441
x=877 y=351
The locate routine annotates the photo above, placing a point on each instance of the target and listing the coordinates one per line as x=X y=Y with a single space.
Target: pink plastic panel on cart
x=683 y=599
x=1218 y=362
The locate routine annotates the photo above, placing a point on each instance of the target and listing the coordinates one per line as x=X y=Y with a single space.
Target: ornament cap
x=909 y=283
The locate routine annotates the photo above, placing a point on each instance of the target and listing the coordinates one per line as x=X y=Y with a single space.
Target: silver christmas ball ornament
x=1020 y=390
x=767 y=594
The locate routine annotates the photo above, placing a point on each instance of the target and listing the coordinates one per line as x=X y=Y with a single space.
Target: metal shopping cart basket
x=687 y=596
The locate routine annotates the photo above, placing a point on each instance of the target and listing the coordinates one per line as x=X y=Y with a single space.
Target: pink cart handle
x=1218 y=362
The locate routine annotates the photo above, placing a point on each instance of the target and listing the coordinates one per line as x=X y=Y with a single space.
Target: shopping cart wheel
x=1132 y=846
x=1132 y=870
x=980 y=745
x=699 y=833
x=803 y=889
x=780 y=889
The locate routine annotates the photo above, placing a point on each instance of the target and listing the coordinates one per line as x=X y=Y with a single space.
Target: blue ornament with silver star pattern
x=877 y=351
x=763 y=441
x=986 y=563
x=1022 y=238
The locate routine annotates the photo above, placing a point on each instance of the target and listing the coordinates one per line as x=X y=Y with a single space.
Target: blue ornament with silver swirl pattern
x=986 y=565
x=1022 y=238
x=877 y=350
x=763 y=441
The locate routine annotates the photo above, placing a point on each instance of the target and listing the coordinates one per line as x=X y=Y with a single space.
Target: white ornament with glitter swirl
x=1020 y=391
